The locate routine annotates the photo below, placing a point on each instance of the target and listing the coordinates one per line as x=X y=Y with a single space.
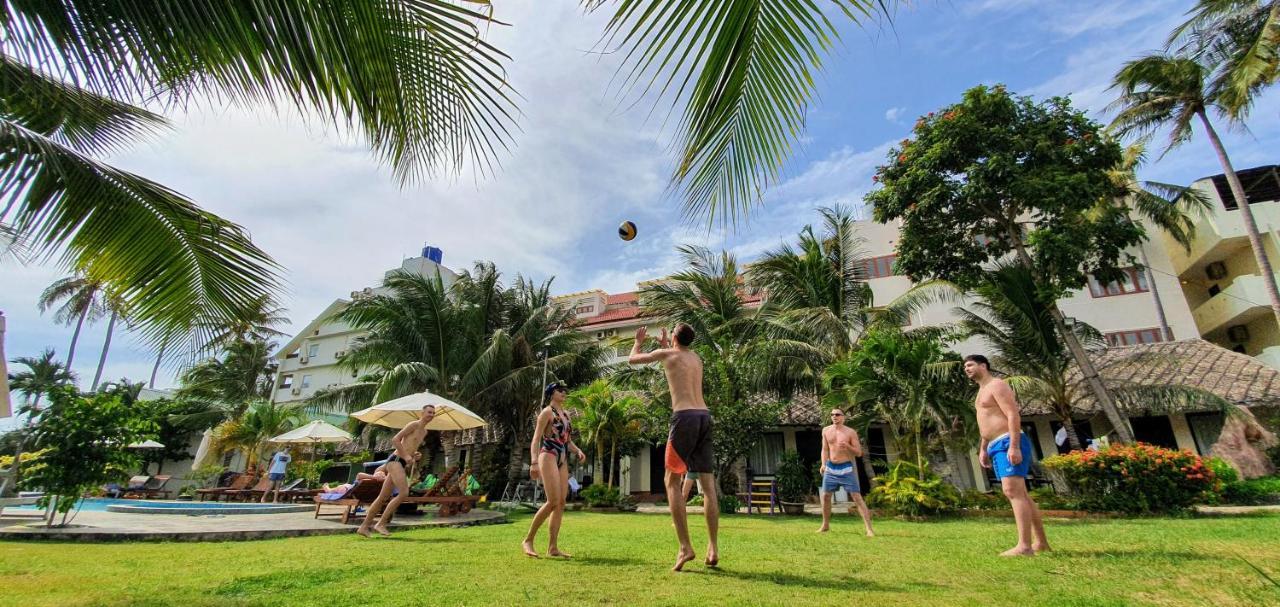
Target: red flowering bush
x=1134 y=479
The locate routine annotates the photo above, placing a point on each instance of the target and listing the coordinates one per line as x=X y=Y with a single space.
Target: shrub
x=1252 y=492
x=1048 y=499
x=906 y=490
x=972 y=499
x=795 y=482
x=600 y=496
x=729 y=504
x=310 y=472
x=27 y=457
x=206 y=476
x=1134 y=479
x=1223 y=471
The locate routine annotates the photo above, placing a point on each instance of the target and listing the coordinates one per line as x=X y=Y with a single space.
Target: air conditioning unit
x=1216 y=270
x=296 y=391
x=304 y=360
x=1238 y=334
x=339 y=354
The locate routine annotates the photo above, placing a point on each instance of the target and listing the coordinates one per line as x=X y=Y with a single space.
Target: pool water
x=101 y=504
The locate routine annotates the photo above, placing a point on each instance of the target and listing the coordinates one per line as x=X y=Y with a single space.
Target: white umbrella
x=399 y=412
x=318 y=431
x=147 y=444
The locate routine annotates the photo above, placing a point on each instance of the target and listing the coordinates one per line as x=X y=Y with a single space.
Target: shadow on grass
x=291 y=580
x=1133 y=553
x=396 y=537
x=813 y=583
x=604 y=561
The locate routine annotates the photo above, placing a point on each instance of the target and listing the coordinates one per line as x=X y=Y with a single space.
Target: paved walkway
x=1230 y=510
x=112 y=526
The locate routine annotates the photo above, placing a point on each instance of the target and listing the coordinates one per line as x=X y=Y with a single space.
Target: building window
x=313 y=350
x=585 y=309
x=293 y=354
x=1132 y=280
x=622 y=350
x=306 y=381
x=880 y=267
x=1135 y=337
x=765 y=455
x=286 y=381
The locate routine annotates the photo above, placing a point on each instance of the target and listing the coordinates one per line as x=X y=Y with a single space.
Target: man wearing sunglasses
x=840 y=449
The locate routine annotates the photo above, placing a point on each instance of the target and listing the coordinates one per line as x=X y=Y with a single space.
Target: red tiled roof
x=612 y=316
x=621 y=298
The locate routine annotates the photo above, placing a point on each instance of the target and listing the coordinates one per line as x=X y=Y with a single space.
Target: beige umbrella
x=5 y=409
x=318 y=431
x=399 y=412
x=147 y=444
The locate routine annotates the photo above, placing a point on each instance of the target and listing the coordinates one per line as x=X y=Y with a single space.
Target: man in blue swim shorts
x=840 y=450
x=1008 y=451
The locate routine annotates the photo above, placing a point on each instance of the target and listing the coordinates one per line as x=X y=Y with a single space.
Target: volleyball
x=627 y=230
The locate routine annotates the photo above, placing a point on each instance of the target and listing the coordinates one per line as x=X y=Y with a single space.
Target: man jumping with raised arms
x=406 y=443
x=840 y=451
x=689 y=449
x=1006 y=449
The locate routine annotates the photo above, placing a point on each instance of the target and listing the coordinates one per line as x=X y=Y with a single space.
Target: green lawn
x=622 y=559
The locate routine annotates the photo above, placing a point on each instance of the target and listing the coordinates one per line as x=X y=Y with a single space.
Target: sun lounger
x=449 y=504
x=264 y=483
x=155 y=487
x=241 y=481
x=360 y=494
x=136 y=486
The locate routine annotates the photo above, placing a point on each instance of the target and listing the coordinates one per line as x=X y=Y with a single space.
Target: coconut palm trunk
x=1165 y=330
x=1250 y=226
x=156 y=368
x=106 y=347
x=75 y=337
x=613 y=463
x=1081 y=357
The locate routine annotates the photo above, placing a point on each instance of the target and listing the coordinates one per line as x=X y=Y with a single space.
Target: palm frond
x=343 y=399
x=415 y=77
x=171 y=263
x=744 y=71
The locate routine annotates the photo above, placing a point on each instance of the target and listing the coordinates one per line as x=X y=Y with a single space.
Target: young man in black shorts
x=689 y=448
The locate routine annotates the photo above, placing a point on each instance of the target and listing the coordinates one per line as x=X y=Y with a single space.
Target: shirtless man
x=1008 y=450
x=406 y=443
x=840 y=450
x=689 y=449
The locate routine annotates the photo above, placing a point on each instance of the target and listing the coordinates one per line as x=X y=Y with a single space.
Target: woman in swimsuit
x=552 y=439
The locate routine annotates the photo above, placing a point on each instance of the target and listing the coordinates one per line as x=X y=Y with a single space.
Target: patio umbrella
x=316 y=432
x=399 y=412
x=147 y=444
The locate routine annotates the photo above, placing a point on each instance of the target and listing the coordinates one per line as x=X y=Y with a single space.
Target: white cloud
x=894 y=114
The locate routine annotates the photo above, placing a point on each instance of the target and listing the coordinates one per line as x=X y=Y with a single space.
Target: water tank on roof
x=434 y=254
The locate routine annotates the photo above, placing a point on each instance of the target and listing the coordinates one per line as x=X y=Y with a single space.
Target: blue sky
x=583 y=161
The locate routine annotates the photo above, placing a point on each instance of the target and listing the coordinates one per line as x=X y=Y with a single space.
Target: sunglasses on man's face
x=837 y=415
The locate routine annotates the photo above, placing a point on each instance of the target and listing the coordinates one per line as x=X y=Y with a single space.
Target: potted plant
x=794 y=483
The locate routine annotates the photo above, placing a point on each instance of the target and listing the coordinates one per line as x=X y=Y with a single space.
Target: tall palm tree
x=116 y=307
x=42 y=375
x=82 y=300
x=257 y=322
x=1161 y=91
x=910 y=382
x=1242 y=39
x=1171 y=208
x=244 y=373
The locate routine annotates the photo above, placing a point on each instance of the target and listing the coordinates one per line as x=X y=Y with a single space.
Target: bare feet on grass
x=1019 y=551
x=527 y=545
x=684 y=556
x=558 y=553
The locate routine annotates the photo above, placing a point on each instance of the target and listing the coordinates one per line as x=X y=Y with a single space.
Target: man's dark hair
x=684 y=334
x=980 y=359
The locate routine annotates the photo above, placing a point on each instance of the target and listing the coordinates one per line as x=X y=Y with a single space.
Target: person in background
x=275 y=473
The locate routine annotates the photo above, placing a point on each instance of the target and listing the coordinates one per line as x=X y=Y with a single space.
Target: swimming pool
x=104 y=504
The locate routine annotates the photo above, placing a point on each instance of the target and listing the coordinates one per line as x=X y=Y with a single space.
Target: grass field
x=623 y=559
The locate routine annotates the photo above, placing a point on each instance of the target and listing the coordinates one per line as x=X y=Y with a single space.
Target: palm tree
x=256 y=323
x=820 y=301
x=43 y=374
x=1011 y=317
x=249 y=431
x=116 y=305
x=1161 y=91
x=84 y=301
x=1241 y=38
x=605 y=417
x=1169 y=207
x=910 y=382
